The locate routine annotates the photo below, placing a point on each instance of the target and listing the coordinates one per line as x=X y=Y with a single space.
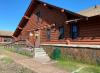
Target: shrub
x=56 y=54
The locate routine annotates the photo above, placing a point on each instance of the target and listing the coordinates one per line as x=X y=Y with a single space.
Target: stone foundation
x=83 y=54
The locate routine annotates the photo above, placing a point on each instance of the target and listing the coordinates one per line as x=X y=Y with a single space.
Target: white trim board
x=79 y=46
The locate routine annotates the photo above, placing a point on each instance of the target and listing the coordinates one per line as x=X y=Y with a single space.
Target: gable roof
x=67 y=11
x=91 y=11
x=6 y=33
x=30 y=10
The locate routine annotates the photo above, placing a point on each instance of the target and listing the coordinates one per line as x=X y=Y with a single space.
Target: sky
x=11 y=11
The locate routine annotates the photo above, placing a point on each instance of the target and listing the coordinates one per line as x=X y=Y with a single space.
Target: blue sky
x=11 y=11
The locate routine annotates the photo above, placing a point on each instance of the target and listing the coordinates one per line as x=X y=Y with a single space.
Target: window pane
x=48 y=34
x=7 y=39
x=61 y=32
x=38 y=16
x=74 y=29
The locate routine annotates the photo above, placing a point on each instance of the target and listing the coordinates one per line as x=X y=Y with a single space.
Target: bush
x=56 y=54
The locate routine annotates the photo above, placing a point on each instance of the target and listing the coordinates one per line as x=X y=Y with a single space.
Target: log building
x=77 y=34
x=6 y=36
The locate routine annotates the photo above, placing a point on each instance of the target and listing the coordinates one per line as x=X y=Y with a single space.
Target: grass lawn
x=7 y=65
x=19 y=51
x=71 y=66
x=90 y=69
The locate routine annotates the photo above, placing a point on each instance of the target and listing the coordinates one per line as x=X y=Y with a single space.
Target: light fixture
x=31 y=34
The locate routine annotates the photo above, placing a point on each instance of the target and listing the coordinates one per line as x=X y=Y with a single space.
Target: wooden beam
x=62 y=10
x=14 y=37
x=74 y=20
x=31 y=30
x=28 y=30
x=26 y=17
x=20 y=27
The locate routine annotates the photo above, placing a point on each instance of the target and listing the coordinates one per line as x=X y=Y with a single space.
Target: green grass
x=26 y=53
x=19 y=51
x=6 y=60
x=90 y=69
x=72 y=65
x=67 y=65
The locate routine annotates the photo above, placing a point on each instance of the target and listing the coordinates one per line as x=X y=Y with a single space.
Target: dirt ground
x=7 y=65
x=29 y=63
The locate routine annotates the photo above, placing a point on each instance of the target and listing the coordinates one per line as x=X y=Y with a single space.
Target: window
x=48 y=34
x=61 y=32
x=38 y=16
x=74 y=30
x=7 y=39
x=38 y=13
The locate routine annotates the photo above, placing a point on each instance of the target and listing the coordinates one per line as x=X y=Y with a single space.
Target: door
x=37 y=38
